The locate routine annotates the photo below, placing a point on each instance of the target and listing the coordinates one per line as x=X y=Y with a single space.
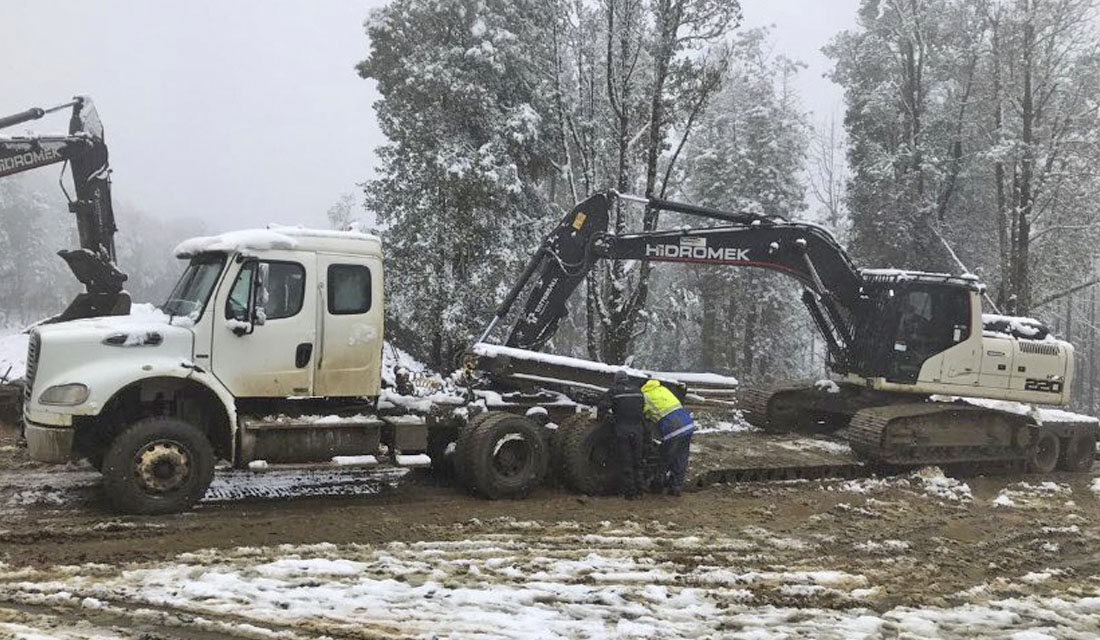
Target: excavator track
x=754 y=403
x=782 y=408
x=938 y=433
x=775 y=474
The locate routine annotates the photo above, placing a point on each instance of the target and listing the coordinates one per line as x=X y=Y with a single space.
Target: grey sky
x=247 y=112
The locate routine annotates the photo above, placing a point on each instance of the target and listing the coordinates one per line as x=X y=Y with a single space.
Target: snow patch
x=707 y=424
x=240 y=241
x=496 y=351
x=13 y=356
x=1040 y=414
x=1032 y=495
x=355 y=461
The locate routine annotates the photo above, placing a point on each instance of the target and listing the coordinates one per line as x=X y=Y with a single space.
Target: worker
x=676 y=426
x=626 y=404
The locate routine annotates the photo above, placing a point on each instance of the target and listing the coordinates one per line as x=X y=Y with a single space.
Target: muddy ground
x=916 y=539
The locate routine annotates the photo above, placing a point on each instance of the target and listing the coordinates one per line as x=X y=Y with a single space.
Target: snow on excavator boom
x=85 y=152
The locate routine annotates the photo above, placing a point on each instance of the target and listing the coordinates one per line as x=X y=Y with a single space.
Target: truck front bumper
x=47 y=443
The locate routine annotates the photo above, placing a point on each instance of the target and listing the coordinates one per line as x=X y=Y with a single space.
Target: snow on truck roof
x=281 y=237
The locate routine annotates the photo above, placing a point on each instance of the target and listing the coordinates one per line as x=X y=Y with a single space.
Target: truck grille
x=33 y=347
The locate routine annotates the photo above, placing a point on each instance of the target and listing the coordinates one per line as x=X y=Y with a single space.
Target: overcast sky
x=247 y=112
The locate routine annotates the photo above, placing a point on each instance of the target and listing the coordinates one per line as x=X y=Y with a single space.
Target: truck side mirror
x=256 y=314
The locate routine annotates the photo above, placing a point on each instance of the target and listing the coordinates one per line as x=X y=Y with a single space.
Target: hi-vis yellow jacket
x=662 y=407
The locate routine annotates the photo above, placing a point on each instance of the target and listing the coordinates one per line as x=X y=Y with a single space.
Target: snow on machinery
x=896 y=339
x=270 y=349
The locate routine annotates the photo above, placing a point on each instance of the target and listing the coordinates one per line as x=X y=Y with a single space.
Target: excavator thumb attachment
x=92 y=305
x=561 y=263
x=103 y=280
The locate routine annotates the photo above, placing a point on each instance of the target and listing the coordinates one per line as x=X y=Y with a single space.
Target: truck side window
x=349 y=289
x=286 y=285
x=236 y=305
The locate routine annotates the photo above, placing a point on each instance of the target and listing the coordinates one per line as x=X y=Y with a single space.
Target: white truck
x=262 y=325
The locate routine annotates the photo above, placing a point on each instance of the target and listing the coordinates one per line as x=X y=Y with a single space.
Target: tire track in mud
x=577 y=580
x=77 y=488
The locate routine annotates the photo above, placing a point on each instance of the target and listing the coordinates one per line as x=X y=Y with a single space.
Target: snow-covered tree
x=463 y=88
x=973 y=125
x=747 y=155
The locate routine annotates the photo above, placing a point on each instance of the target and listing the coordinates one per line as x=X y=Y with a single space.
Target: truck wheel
x=156 y=466
x=96 y=460
x=1043 y=456
x=588 y=455
x=506 y=456
x=555 y=470
x=460 y=460
x=439 y=439
x=1079 y=452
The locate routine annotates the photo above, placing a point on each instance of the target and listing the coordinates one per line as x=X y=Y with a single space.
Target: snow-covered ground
x=13 y=354
x=930 y=481
x=531 y=580
x=732 y=423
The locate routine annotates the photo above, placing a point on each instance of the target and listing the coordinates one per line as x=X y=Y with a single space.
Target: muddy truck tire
x=1078 y=452
x=441 y=437
x=502 y=456
x=157 y=466
x=588 y=455
x=1044 y=453
x=459 y=462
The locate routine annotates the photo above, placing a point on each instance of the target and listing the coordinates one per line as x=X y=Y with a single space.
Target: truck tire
x=1078 y=452
x=588 y=455
x=506 y=456
x=439 y=439
x=157 y=466
x=460 y=460
x=1044 y=453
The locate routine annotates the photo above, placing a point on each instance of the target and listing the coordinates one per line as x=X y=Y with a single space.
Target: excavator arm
x=85 y=152
x=806 y=252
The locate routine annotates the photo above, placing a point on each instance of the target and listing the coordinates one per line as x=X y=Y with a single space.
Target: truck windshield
x=190 y=294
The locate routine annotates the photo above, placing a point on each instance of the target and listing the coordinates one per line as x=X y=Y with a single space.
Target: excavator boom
x=806 y=252
x=85 y=152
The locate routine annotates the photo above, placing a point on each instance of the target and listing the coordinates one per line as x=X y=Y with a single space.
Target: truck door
x=349 y=362
x=276 y=358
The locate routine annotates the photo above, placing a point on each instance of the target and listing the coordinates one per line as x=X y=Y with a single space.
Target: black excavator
x=84 y=151
x=895 y=339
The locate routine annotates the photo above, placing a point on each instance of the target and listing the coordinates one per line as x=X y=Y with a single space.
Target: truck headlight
x=65 y=394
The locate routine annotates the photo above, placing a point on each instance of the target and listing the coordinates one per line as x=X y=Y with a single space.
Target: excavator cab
x=908 y=319
x=928 y=319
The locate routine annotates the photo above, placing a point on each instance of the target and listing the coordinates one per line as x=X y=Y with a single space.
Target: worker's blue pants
x=674 y=454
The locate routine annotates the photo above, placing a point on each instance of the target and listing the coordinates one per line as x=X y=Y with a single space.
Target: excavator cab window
x=928 y=320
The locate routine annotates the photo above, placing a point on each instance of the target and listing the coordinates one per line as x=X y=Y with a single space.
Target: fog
x=244 y=113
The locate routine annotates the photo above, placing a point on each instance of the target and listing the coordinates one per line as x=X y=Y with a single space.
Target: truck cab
x=260 y=321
